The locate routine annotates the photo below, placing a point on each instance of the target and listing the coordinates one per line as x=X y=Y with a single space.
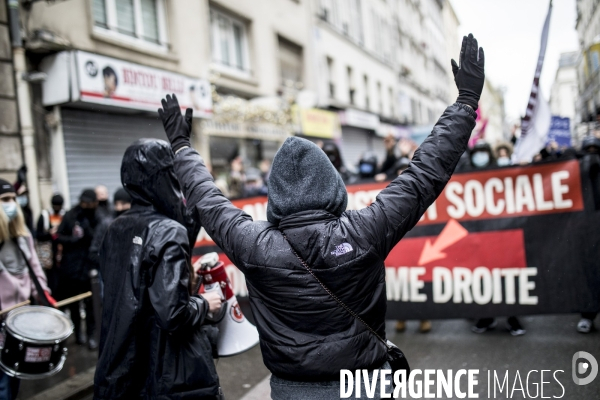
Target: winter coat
x=304 y=334
x=74 y=265
x=18 y=288
x=152 y=342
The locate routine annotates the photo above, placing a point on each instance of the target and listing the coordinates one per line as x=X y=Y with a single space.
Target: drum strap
x=38 y=287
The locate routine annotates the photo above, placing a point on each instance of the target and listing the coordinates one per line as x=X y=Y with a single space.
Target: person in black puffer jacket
x=305 y=336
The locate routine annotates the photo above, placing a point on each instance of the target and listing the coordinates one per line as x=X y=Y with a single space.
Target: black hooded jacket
x=152 y=344
x=304 y=333
x=74 y=265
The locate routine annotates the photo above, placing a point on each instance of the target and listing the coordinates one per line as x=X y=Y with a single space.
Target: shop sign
x=262 y=131
x=318 y=123
x=109 y=81
x=359 y=119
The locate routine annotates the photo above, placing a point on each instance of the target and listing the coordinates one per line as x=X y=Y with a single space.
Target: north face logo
x=342 y=249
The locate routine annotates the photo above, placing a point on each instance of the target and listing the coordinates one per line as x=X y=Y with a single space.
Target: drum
x=32 y=342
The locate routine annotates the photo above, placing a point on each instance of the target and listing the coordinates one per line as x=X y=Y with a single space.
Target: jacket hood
x=302 y=179
x=148 y=176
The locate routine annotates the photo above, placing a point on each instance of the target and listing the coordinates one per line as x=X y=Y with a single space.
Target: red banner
x=499 y=193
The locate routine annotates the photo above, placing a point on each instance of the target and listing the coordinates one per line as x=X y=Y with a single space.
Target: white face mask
x=503 y=161
x=10 y=209
x=480 y=159
x=22 y=200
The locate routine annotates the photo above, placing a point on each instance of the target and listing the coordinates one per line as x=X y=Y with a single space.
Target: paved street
x=549 y=344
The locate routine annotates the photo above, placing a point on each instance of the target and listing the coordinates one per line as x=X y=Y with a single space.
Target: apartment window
x=139 y=20
x=367 y=100
x=229 y=41
x=380 y=97
x=351 y=90
x=330 y=77
x=391 y=96
x=325 y=12
x=356 y=16
x=290 y=62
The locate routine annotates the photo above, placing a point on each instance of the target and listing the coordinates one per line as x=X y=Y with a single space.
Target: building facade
x=383 y=65
x=491 y=112
x=564 y=91
x=255 y=72
x=109 y=62
x=588 y=30
x=10 y=138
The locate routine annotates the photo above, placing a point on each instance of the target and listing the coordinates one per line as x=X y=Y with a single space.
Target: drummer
x=16 y=243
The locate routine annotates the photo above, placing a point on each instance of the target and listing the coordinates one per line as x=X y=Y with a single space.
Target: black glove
x=178 y=128
x=469 y=77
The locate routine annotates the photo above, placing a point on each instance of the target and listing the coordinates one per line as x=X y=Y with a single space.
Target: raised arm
x=399 y=206
x=222 y=220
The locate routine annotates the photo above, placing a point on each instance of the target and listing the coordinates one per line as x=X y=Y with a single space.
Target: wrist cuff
x=467 y=108
x=181 y=148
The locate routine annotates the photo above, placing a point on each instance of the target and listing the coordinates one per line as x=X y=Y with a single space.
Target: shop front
x=102 y=105
x=359 y=135
x=252 y=141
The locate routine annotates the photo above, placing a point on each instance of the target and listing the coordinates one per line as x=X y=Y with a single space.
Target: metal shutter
x=95 y=143
x=379 y=149
x=354 y=143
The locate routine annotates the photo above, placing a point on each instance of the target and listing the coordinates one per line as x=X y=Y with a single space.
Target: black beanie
x=302 y=179
x=6 y=187
x=122 y=195
x=88 y=196
x=57 y=200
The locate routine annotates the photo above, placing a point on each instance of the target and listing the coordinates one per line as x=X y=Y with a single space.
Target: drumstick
x=72 y=299
x=23 y=303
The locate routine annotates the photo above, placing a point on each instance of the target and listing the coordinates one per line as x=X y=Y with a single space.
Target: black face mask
x=103 y=203
x=119 y=213
x=88 y=213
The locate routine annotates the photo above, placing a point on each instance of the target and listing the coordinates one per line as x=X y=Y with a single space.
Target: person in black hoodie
x=75 y=234
x=153 y=343
x=306 y=337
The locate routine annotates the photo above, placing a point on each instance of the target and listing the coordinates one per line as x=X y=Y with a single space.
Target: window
x=290 y=62
x=325 y=10
x=330 y=77
x=142 y=21
x=380 y=97
x=391 y=95
x=229 y=41
x=356 y=16
x=367 y=102
x=350 y=85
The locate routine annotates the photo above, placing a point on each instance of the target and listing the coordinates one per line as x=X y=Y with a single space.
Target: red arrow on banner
x=452 y=233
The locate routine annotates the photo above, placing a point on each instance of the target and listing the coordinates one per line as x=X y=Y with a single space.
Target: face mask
x=22 y=200
x=103 y=203
x=503 y=161
x=480 y=159
x=10 y=209
x=89 y=212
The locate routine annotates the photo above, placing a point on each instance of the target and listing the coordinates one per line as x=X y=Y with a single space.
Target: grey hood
x=303 y=179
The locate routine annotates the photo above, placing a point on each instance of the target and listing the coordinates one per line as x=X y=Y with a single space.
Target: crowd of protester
x=244 y=182
x=65 y=245
x=67 y=242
